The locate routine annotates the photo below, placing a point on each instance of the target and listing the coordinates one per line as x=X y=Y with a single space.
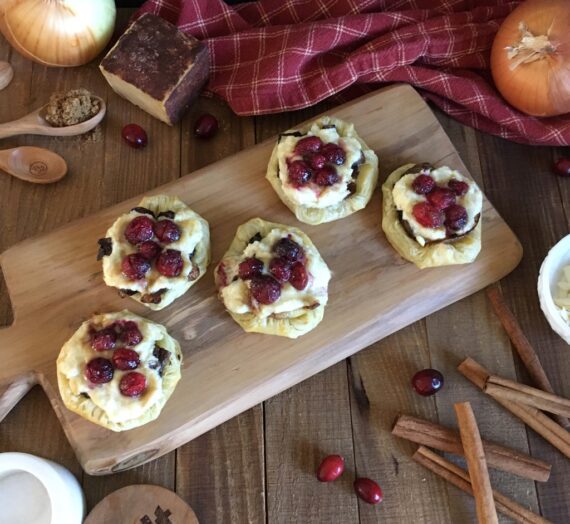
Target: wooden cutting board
x=55 y=283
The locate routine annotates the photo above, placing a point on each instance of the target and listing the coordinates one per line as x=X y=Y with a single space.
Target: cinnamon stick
x=525 y=351
x=445 y=439
x=476 y=464
x=538 y=421
x=510 y=390
x=459 y=478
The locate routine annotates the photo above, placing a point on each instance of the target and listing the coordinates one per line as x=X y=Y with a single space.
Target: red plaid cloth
x=278 y=55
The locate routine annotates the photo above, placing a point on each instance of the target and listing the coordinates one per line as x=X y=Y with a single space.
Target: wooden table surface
x=259 y=466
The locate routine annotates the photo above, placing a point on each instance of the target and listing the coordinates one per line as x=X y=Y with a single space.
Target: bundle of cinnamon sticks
x=525 y=402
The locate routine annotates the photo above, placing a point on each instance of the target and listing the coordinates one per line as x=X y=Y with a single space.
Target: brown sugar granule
x=73 y=107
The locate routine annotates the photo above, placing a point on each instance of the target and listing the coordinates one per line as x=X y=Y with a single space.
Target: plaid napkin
x=272 y=56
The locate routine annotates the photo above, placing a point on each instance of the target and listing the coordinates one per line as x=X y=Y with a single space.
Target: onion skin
x=540 y=88
x=61 y=33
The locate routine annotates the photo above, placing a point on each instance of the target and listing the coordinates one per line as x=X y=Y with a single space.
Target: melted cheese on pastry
x=405 y=198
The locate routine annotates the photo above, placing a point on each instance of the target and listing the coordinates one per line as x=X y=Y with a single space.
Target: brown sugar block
x=157 y=67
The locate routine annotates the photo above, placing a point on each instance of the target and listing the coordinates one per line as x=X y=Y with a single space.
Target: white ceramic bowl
x=34 y=490
x=550 y=274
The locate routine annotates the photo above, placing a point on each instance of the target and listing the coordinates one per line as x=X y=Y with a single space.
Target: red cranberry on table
x=423 y=184
x=130 y=333
x=139 y=229
x=299 y=277
x=125 y=359
x=289 y=249
x=166 y=231
x=299 y=173
x=206 y=126
x=368 y=490
x=428 y=215
x=99 y=371
x=562 y=167
x=330 y=468
x=307 y=145
x=250 y=267
x=455 y=217
x=441 y=197
x=280 y=268
x=334 y=154
x=170 y=263
x=135 y=266
x=135 y=136
x=104 y=339
x=149 y=249
x=458 y=187
x=265 y=289
x=327 y=176
x=132 y=384
x=427 y=382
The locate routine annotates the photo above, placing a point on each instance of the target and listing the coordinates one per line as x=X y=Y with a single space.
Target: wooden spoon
x=34 y=124
x=33 y=164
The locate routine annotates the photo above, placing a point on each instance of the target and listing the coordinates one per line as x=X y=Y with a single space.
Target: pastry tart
x=156 y=252
x=118 y=370
x=273 y=280
x=432 y=217
x=323 y=171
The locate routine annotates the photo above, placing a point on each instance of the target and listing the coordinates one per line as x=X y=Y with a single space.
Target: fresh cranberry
x=125 y=359
x=265 y=289
x=307 y=145
x=280 y=268
x=130 y=333
x=206 y=126
x=368 y=490
x=104 y=339
x=289 y=249
x=139 y=230
x=334 y=154
x=455 y=217
x=427 y=382
x=299 y=277
x=330 y=468
x=170 y=263
x=441 y=197
x=423 y=184
x=327 y=176
x=299 y=172
x=428 y=215
x=250 y=267
x=132 y=384
x=317 y=161
x=149 y=249
x=458 y=187
x=135 y=266
x=562 y=167
x=166 y=231
x=99 y=371
x=135 y=136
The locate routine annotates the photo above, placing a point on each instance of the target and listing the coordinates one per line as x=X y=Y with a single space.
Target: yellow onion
x=58 y=32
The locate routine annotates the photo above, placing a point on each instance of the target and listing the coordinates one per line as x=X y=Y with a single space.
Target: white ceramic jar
x=34 y=490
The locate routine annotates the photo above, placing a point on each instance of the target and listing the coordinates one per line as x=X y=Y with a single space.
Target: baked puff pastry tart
x=273 y=280
x=156 y=252
x=432 y=216
x=118 y=370
x=323 y=171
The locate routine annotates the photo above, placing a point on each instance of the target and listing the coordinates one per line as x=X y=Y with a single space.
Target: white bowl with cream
x=34 y=490
x=551 y=274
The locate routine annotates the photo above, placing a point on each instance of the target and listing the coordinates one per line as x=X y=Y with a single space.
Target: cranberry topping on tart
x=437 y=205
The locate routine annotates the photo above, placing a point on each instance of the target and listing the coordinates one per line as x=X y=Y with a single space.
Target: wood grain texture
x=214 y=374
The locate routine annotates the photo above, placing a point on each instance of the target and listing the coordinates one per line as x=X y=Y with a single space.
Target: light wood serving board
x=55 y=283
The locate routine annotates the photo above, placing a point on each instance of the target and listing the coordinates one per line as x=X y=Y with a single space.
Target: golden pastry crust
x=88 y=409
x=291 y=324
x=461 y=251
x=175 y=286
x=365 y=183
